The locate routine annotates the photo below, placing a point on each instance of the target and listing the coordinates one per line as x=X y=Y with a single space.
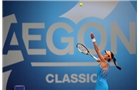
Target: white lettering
x=82 y=78
x=56 y=79
x=47 y=78
x=26 y=38
x=74 y=78
x=71 y=78
x=66 y=78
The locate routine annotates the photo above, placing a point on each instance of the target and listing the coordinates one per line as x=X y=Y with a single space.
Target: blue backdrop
x=60 y=69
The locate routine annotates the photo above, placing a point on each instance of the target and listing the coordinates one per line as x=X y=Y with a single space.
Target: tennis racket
x=82 y=48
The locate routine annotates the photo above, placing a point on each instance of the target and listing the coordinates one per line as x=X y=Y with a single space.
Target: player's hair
x=114 y=60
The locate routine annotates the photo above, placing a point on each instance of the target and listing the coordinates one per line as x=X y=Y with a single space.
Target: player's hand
x=91 y=35
x=98 y=59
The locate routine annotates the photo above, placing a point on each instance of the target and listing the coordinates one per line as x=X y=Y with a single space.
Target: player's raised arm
x=96 y=48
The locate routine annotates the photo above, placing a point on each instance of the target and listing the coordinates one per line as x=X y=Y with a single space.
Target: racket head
x=82 y=48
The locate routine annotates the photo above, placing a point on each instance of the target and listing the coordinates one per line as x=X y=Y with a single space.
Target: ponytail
x=114 y=60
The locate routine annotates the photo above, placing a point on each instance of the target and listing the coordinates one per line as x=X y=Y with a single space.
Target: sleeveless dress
x=101 y=83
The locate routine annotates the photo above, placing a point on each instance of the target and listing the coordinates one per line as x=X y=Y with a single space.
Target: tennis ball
x=81 y=4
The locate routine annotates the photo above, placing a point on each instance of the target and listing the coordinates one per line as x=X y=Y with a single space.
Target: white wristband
x=93 y=40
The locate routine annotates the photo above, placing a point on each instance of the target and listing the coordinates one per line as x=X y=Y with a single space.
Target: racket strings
x=82 y=49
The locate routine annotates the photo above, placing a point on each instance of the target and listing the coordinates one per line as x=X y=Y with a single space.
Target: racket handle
x=94 y=57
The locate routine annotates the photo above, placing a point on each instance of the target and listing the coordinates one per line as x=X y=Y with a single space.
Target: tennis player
x=103 y=67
